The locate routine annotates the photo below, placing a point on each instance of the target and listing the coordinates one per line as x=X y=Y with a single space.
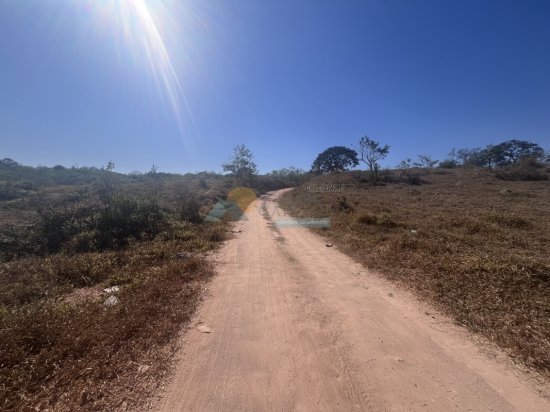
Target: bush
x=16 y=242
x=412 y=178
x=448 y=164
x=527 y=169
x=26 y=185
x=57 y=227
x=8 y=191
x=111 y=226
x=126 y=218
x=189 y=210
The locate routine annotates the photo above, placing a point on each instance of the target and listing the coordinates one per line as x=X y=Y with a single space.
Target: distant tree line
x=340 y=158
x=505 y=154
x=512 y=159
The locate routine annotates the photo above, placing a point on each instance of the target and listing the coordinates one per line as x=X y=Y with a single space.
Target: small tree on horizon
x=241 y=165
x=370 y=152
x=426 y=162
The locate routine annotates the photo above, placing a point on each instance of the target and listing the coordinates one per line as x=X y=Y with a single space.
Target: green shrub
x=15 y=242
x=126 y=218
x=57 y=227
x=110 y=226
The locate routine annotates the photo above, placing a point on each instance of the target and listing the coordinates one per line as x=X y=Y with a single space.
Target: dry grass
x=65 y=235
x=65 y=353
x=475 y=245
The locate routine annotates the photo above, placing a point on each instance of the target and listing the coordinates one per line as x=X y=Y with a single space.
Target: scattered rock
x=204 y=329
x=328 y=244
x=505 y=192
x=414 y=232
x=398 y=359
x=182 y=255
x=111 y=301
x=112 y=289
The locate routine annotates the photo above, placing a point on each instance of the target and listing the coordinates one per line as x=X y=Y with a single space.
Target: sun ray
x=159 y=59
x=135 y=28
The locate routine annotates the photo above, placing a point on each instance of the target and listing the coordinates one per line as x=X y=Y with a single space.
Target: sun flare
x=139 y=30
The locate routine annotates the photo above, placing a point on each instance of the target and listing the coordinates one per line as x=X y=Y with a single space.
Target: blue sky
x=286 y=78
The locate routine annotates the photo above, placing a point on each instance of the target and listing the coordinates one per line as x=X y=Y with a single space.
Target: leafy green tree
x=335 y=159
x=512 y=151
x=466 y=157
x=241 y=165
x=8 y=162
x=504 y=154
x=371 y=152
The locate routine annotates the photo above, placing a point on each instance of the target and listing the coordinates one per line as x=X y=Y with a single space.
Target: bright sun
x=137 y=28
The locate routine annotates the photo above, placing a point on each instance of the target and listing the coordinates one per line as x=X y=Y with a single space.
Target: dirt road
x=297 y=325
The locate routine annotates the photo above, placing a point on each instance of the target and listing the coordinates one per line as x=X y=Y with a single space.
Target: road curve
x=298 y=326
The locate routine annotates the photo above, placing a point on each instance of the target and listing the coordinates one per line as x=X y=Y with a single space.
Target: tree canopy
x=241 y=165
x=371 y=151
x=335 y=159
x=507 y=153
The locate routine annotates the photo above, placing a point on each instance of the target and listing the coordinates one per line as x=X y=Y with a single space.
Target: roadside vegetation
x=99 y=271
x=471 y=237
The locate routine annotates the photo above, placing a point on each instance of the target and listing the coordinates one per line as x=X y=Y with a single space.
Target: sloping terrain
x=473 y=244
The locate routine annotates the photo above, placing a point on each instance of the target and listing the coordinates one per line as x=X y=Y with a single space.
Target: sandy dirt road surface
x=297 y=325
